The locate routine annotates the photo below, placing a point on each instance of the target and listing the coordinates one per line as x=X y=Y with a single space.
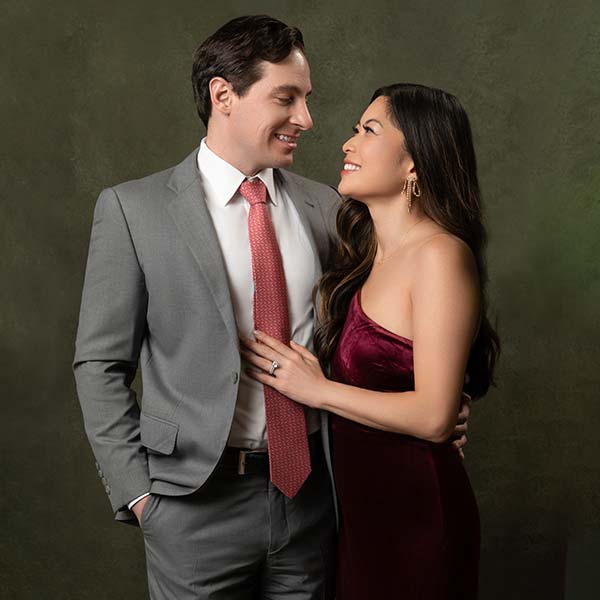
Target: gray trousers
x=239 y=538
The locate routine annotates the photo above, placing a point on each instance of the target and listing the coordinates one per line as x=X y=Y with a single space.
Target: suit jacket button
x=234 y=376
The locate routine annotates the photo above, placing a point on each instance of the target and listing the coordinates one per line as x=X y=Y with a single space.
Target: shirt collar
x=224 y=179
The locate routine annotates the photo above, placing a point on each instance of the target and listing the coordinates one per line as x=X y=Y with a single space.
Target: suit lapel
x=190 y=214
x=195 y=226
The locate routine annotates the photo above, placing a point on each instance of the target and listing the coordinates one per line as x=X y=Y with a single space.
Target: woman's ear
x=408 y=169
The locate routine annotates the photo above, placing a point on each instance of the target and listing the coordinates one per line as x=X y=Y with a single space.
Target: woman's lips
x=346 y=171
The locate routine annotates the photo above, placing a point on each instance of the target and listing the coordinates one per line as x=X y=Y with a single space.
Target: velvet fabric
x=409 y=518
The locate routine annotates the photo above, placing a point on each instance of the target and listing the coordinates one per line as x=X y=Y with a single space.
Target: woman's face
x=376 y=162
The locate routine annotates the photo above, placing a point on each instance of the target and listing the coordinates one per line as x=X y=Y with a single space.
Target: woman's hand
x=298 y=375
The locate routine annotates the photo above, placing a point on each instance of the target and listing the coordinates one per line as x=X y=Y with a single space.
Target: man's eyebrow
x=289 y=89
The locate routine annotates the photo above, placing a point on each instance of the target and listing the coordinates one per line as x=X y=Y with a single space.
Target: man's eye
x=285 y=99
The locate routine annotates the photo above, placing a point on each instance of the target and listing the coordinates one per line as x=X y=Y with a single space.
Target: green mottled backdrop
x=96 y=93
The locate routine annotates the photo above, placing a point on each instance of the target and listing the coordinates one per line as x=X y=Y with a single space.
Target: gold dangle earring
x=411 y=188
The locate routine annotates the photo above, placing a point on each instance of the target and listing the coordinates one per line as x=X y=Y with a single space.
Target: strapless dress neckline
x=381 y=328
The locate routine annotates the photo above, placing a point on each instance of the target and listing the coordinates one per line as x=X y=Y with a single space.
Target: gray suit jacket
x=156 y=294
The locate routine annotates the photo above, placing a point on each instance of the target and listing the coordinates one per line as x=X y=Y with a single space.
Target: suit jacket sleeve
x=112 y=324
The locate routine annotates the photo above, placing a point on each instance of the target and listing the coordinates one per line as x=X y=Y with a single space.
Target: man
x=229 y=484
x=169 y=283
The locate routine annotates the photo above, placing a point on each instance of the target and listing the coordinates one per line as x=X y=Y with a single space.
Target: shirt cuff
x=136 y=500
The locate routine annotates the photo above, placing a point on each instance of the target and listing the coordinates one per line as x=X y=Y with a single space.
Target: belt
x=247 y=461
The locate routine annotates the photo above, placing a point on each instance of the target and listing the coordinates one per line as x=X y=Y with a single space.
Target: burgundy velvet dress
x=409 y=518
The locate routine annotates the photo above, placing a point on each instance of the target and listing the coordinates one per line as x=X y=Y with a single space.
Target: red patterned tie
x=289 y=456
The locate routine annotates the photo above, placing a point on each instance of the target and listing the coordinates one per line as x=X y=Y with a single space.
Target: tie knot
x=255 y=192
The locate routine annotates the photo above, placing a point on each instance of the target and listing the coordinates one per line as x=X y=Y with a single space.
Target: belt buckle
x=242 y=462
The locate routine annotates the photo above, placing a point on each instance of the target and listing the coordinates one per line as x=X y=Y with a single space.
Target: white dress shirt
x=229 y=214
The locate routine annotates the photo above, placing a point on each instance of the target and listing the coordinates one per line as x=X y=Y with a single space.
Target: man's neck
x=223 y=148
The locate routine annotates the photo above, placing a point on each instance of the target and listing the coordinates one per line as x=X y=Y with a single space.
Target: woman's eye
x=355 y=130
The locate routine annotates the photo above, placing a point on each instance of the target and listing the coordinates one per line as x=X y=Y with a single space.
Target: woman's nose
x=348 y=145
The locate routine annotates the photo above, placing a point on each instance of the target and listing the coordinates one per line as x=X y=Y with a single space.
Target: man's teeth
x=351 y=167
x=284 y=138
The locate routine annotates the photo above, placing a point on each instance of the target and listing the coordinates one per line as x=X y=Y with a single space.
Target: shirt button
x=234 y=376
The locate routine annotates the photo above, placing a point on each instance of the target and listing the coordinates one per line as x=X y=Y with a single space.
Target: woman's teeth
x=351 y=167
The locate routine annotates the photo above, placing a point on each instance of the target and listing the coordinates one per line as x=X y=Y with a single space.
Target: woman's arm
x=445 y=302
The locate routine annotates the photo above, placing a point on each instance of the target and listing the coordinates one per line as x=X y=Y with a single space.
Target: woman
x=404 y=330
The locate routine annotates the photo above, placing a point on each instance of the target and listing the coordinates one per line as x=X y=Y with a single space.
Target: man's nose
x=302 y=117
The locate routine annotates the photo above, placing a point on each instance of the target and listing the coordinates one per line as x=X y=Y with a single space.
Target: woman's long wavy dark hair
x=438 y=137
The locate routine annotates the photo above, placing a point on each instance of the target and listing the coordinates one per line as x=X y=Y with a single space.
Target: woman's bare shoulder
x=442 y=250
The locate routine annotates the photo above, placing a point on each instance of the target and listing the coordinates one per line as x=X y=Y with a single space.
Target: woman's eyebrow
x=373 y=121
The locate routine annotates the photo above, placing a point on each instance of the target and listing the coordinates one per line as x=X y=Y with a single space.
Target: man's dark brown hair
x=235 y=52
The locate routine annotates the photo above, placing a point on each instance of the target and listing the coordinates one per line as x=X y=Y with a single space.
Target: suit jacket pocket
x=158 y=435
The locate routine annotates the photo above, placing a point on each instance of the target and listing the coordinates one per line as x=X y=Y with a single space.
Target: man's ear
x=221 y=94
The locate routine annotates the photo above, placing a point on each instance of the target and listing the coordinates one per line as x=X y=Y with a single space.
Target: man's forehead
x=292 y=72
x=291 y=88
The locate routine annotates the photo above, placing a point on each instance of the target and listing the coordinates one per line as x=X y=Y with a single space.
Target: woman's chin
x=343 y=188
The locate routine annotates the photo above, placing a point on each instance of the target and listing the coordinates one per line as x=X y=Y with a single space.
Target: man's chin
x=282 y=162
